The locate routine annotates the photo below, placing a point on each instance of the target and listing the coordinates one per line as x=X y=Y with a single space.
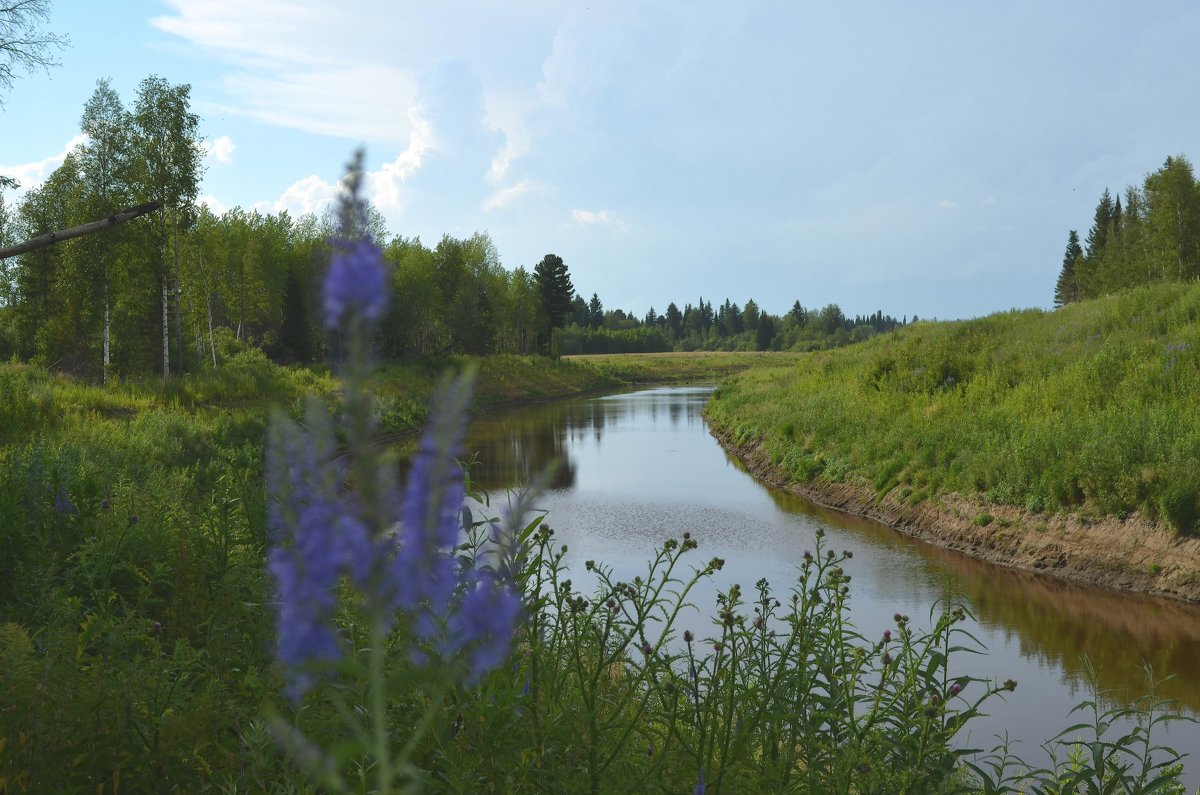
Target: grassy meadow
x=1090 y=409
x=135 y=628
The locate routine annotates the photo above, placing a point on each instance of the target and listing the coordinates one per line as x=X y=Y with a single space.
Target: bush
x=1180 y=506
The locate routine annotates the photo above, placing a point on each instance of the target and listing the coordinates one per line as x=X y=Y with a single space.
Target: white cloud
x=506 y=196
x=30 y=175
x=946 y=204
x=579 y=60
x=220 y=150
x=288 y=70
x=310 y=195
x=507 y=117
x=598 y=218
x=383 y=186
x=214 y=205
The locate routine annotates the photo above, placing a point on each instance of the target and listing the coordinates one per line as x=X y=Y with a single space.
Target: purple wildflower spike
x=356 y=282
x=484 y=623
x=431 y=520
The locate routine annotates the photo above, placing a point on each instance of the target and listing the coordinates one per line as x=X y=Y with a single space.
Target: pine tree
x=765 y=332
x=1065 y=291
x=555 y=292
x=595 y=312
x=295 y=333
x=674 y=321
x=1101 y=223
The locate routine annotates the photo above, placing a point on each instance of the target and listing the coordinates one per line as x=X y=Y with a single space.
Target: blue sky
x=916 y=157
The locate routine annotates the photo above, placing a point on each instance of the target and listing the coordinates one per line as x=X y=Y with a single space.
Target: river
x=638 y=467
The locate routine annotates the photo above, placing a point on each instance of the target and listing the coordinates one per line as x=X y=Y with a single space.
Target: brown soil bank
x=1129 y=555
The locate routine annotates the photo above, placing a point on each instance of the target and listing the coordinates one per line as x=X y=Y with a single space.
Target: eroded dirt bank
x=1130 y=554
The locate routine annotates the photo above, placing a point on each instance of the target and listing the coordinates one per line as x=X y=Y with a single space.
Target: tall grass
x=1090 y=408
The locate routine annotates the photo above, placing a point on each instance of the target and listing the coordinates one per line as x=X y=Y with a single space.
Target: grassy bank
x=1086 y=412
x=134 y=637
x=658 y=368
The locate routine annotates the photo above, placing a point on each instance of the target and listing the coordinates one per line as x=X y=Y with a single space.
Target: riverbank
x=1130 y=555
x=1063 y=442
x=504 y=382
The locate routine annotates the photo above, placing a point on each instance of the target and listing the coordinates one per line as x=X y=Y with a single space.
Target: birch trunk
x=166 y=337
x=107 y=360
x=178 y=299
x=212 y=343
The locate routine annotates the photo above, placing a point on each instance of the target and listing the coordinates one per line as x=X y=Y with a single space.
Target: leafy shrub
x=1180 y=505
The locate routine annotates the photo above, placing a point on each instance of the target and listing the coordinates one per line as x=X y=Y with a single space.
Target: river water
x=638 y=467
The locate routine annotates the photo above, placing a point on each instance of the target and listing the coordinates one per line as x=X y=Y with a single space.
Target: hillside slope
x=1026 y=437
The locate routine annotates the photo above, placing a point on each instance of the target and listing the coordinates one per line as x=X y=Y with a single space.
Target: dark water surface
x=639 y=467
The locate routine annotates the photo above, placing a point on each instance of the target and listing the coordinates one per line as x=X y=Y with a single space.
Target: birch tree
x=168 y=152
x=104 y=162
x=25 y=46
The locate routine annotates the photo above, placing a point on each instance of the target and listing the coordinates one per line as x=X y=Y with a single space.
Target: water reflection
x=512 y=448
x=639 y=467
x=1052 y=621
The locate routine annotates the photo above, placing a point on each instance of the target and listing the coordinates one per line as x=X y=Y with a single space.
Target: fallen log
x=41 y=241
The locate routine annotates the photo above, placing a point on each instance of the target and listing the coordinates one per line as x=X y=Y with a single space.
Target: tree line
x=728 y=327
x=1154 y=236
x=184 y=287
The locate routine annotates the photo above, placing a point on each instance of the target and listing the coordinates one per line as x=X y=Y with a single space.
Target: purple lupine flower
x=356 y=283
x=320 y=536
x=431 y=519
x=699 y=790
x=306 y=574
x=308 y=522
x=483 y=623
x=62 y=503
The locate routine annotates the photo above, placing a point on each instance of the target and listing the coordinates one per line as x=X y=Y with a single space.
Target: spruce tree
x=1065 y=291
x=555 y=293
x=295 y=332
x=595 y=312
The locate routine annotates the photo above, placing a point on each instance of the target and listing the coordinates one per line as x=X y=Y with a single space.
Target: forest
x=185 y=287
x=1153 y=237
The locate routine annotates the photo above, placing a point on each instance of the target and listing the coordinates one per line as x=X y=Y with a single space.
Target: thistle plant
x=380 y=591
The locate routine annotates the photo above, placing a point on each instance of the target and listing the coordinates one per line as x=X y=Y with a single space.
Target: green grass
x=696 y=366
x=1091 y=406
x=135 y=637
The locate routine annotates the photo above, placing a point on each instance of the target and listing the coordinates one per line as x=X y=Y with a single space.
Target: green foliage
x=1179 y=504
x=1092 y=405
x=1154 y=238
x=1095 y=761
x=573 y=340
